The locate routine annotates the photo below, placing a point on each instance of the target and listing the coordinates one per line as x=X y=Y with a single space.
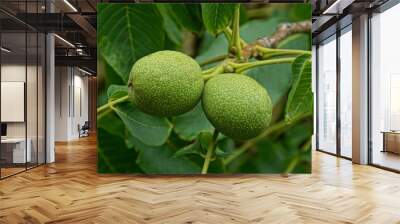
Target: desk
x=16 y=147
x=391 y=141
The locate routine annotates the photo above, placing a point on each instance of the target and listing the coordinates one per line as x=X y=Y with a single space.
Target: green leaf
x=186 y=15
x=300 y=12
x=127 y=32
x=161 y=160
x=148 y=129
x=172 y=28
x=217 y=16
x=117 y=91
x=189 y=125
x=200 y=146
x=277 y=79
x=106 y=76
x=249 y=32
x=220 y=153
x=112 y=124
x=300 y=99
x=296 y=41
x=194 y=148
x=113 y=155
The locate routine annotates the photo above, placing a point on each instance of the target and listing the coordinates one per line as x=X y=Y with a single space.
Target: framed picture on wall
x=204 y=88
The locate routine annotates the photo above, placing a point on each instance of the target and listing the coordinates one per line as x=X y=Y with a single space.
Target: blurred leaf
x=226 y=145
x=217 y=166
x=297 y=135
x=148 y=129
x=194 y=148
x=175 y=141
x=127 y=32
x=101 y=97
x=268 y=157
x=112 y=124
x=217 y=16
x=297 y=41
x=243 y=15
x=186 y=15
x=161 y=160
x=117 y=91
x=255 y=29
x=206 y=41
x=300 y=12
x=113 y=155
x=106 y=76
x=212 y=49
x=300 y=99
x=220 y=153
x=171 y=28
x=249 y=32
x=205 y=139
x=192 y=123
x=277 y=78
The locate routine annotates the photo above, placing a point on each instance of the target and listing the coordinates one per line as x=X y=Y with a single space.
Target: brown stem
x=283 y=31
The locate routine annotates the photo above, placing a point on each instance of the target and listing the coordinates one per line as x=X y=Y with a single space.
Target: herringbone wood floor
x=70 y=191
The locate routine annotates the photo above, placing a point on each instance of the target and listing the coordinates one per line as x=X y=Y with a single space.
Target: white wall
x=71 y=102
x=33 y=126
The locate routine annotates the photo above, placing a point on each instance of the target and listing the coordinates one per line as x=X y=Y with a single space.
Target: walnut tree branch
x=283 y=31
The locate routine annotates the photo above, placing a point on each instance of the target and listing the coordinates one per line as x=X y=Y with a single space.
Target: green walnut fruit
x=166 y=83
x=237 y=105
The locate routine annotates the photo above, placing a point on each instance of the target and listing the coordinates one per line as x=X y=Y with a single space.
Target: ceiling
x=332 y=15
x=74 y=22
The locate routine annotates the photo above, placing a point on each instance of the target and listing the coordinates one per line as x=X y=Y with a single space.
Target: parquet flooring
x=70 y=191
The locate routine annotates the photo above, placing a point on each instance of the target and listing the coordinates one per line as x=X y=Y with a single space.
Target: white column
x=50 y=100
x=360 y=90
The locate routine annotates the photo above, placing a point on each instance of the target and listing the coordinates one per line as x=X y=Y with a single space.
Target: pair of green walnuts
x=170 y=83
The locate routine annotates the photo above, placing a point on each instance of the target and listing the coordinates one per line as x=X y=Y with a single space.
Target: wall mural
x=204 y=88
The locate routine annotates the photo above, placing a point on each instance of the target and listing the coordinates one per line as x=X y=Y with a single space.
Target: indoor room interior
x=48 y=157
x=23 y=88
x=334 y=97
x=22 y=101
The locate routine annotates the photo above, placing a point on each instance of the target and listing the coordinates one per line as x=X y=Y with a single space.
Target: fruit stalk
x=240 y=67
x=266 y=53
x=213 y=60
x=210 y=152
x=235 y=33
x=216 y=70
x=106 y=108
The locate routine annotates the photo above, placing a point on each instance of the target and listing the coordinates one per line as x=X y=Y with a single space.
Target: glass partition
x=31 y=97
x=385 y=89
x=22 y=95
x=346 y=92
x=41 y=91
x=327 y=96
x=14 y=155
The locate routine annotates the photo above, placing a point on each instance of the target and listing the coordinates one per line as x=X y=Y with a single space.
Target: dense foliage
x=131 y=141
